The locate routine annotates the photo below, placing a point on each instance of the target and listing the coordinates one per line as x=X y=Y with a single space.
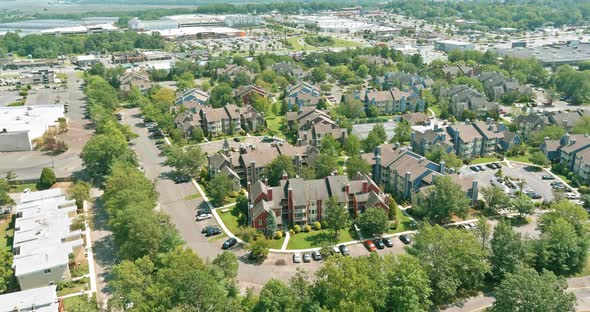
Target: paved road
x=182 y=212
x=28 y=165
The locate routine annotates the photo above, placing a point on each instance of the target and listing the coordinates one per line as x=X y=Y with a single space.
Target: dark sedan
x=405 y=239
x=229 y=243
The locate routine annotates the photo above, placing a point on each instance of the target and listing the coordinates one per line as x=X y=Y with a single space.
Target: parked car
x=532 y=194
x=491 y=166
x=405 y=239
x=343 y=250
x=474 y=168
x=205 y=216
x=230 y=242
x=182 y=179
x=236 y=139
x=481 y=168
x=498 y=165
x=379 y=244
x=213 y=231
x=27 y=190
x=370 y=246
x=388 y=242
x=296 y=258
x=316 y=255
x=548 y=177
x=205 y=229
x=306 y=257
x=572 y=196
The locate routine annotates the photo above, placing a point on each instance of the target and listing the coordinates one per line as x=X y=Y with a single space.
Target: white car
x=205 y=216
x=572 y=196
x=297 y=258
x=27 y=190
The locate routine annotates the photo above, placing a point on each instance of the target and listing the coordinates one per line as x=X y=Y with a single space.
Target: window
x=47 y=271
x=260 y=222
x=313 y=212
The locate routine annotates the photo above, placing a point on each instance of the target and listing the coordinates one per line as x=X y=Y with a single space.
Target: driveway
x=173 y=201
x=29 y=164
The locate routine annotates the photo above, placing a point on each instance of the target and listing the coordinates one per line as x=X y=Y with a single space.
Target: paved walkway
x=286 y=242
x=89 y=251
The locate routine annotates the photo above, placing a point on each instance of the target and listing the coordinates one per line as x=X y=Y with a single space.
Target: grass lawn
x=80 y=270
x=304 y=240
x=19 y=188
x=17 y=103
x=436 y=110
x=345 y=43
x=275 y=123
x=564 y=178
x=521 y=158
x=71 y=302
x=194 y=196
x=405 y=223
x=6 y=227
x=483 y=160
x=74 y=287
x=230 y=219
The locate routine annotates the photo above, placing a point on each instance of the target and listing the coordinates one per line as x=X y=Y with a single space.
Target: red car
x=370 y=246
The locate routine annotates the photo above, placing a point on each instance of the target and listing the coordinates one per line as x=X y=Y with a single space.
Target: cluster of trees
x=47 y=46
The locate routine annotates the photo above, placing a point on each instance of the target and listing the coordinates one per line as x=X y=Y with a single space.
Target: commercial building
x=44 y=243
x=242 y=21
x=85 y=60
x=196 y=20
x=572 y=52
x=450 y=45
x=41 y=76
x=191 y=33
x=42 y=299
x=160 y=24
x=19 y=126
x=80 y=30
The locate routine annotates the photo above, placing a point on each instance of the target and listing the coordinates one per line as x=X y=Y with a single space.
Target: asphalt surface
x=29 y=164
x=182 y=213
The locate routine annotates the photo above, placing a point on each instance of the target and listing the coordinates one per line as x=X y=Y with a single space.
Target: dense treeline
x=492 y=15
x=46 y=46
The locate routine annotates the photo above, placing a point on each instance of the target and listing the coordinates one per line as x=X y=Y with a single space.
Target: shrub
x=307 y=228
x=291 y=232
x=584 y=189
x=279 y=234
x=47 y=178
x=233 y=194
x=324 y=224
x=281 y=262
x=297 y=228
x=317 y=226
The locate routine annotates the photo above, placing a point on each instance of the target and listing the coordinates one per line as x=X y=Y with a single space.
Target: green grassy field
x=275 y=123
x=194 y=196
x=6 y=227
x=483 y=160
x=405 y=223
x=304 y=240
x=520 y=158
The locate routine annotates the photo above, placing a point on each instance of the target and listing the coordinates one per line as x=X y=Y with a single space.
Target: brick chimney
x=269 y=194
x=365 y=186
x=285 y=176
x=347 y=188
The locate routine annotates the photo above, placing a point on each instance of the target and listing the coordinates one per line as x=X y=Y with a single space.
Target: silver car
x=297 y=258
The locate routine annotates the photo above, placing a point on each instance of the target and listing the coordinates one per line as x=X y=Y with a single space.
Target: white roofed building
x=43 y=241
x=20 y=125
x=42 y=299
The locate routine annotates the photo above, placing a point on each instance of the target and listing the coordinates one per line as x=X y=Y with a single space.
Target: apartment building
x=42 y=299
x=302 y=94
x=44 y=243
x=298 y=201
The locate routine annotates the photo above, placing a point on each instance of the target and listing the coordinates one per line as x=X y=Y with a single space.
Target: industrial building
x=572 y=52
x=242 y=21
x=450 y=45
x=80 y=30
x=19 y=126
x=191 y=33
x=196 y=20
x=42 y=299
x=43 y=240
x=160 y=24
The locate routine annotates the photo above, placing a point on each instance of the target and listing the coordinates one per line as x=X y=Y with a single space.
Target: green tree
x=221 y=95
x=495 y=198
x=523 y=205
x=482 y=231
x=325 y=165
x=271 y=224
x=357 y=164
x=47 y=178
x=318 y=75
x=538 y=158
x=227 y=263
x=373 y=222
x=454 y=269
x=561 y=250
x=198 y=135
x=275 y=296
x=275 y=169
x=102 y=151
x=185 y=160
x=508 y=250
x=259 y=250
x=409 y=287
x=336 y=216
x=444 y=199
x=403 y=132
x=5 y=269
x=5 y=187
x=185 y=81
x=84 y=305
x=352 y=146
x=79 y=191
x=242 y=204
x=330 y=146
x=438 y=154
x=219 y=187
x=528 y=290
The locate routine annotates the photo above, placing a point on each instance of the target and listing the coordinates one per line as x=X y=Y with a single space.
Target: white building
x=42 y=299
x=242 y=21
x=86 y=60
x=450 y=45
x=20 y=125
x=80 y=30
x=160 y=24
x=43 y=241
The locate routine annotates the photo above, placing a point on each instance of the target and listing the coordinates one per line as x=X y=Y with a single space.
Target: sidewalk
x=89 y=251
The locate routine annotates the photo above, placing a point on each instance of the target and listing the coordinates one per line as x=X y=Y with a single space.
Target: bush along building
x=298 y=201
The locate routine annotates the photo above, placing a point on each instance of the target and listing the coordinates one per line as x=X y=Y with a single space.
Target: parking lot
x=533 y=179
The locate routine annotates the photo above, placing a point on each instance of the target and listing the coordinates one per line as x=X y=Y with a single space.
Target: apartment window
x=313 y=212
x=260 y=222
x=47 y=271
